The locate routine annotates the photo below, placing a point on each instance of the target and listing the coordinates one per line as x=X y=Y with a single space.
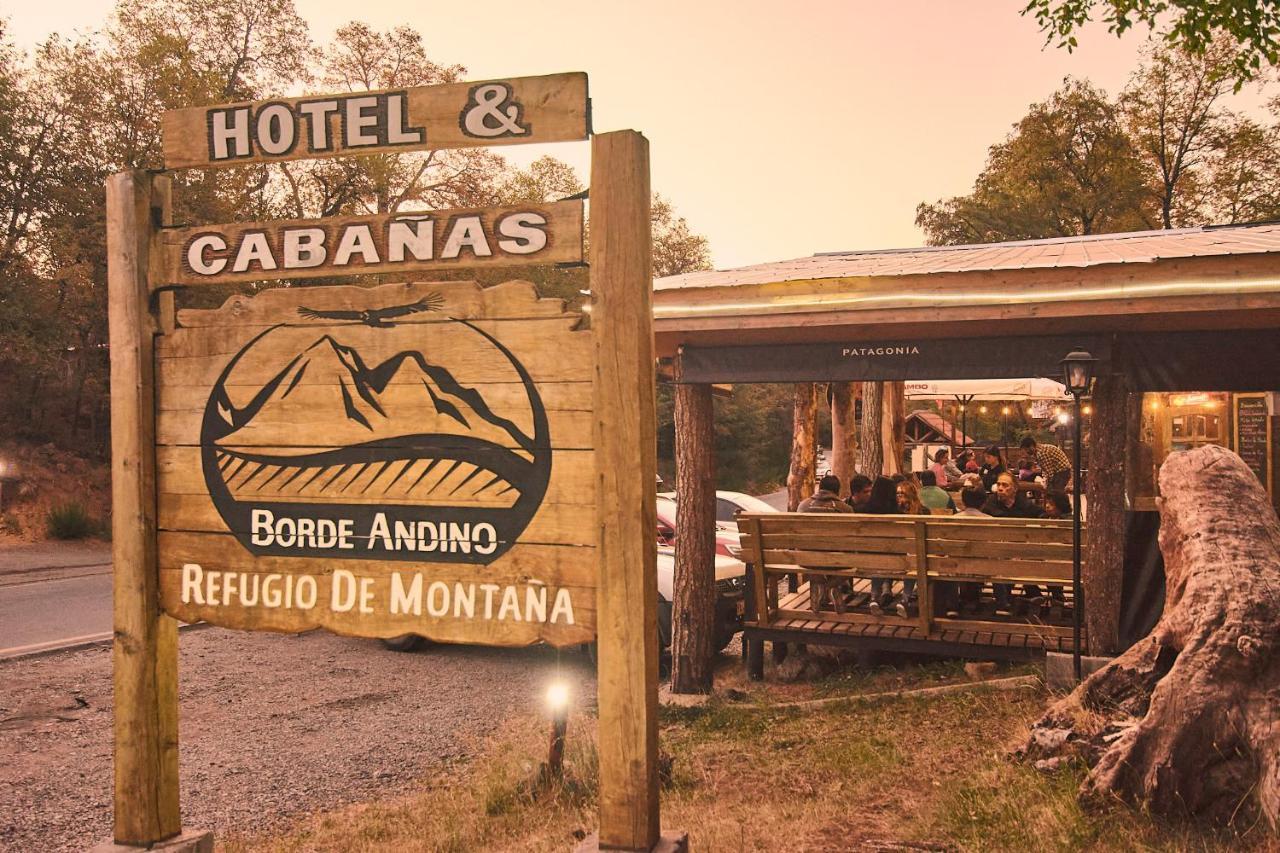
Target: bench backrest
x=954 y=547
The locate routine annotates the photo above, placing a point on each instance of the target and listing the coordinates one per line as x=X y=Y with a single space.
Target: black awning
x=862 y=359
x=1234 y=360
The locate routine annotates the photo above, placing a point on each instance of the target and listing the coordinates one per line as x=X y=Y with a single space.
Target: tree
x=676 y=249
x=1172 y=111
x=1242 y=182
x=1067 y=168
x=1192 y=26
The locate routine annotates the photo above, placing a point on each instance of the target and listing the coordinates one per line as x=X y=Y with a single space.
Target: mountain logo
x=349 y=435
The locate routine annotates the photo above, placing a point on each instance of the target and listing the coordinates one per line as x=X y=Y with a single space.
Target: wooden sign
x=406 y=459
x=1253 y=435
x=517 y=110
x=388 y=243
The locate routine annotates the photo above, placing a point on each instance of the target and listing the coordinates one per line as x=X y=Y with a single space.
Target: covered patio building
x=1169 y=314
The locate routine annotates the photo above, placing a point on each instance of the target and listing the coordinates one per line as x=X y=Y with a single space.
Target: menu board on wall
x=1253 y=434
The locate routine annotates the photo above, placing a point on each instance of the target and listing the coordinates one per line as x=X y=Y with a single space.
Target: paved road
x=38 y=610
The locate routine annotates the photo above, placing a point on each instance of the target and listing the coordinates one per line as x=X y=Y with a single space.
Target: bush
x=10 y=523
x=70 y=520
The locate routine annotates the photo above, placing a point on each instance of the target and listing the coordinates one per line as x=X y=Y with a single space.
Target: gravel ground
x=272 y=727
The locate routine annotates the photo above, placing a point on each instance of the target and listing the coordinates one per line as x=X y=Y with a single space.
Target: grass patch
x=70 y=520
x=749 y=777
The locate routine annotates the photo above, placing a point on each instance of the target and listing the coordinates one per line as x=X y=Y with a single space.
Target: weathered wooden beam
x=802 y=476
x=625 y=434
x=693 y=611
x=145 y=650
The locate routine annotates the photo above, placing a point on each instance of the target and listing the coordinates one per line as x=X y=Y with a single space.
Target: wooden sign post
x=410 y=458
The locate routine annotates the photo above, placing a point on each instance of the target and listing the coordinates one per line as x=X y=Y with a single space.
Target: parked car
x=729 y=504
x=727 y=538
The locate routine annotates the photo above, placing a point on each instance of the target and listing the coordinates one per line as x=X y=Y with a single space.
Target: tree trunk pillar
x=893 y=432
x=693 y=610
x=870 y=448
x=802 y=478
x=844 y=439
x=1103 y=569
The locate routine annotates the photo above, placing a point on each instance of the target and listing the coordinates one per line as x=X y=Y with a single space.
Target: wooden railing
x=831 y=551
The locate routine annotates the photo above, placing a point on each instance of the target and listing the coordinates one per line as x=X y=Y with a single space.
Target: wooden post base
x=672 y=841
x=188 y=841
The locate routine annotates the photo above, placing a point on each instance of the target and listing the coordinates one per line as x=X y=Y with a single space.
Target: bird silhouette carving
x=377 y=317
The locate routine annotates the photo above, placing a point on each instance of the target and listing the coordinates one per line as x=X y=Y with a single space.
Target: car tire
x=403 y=643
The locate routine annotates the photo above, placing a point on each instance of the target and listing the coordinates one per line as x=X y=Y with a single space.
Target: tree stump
x=1187 y=721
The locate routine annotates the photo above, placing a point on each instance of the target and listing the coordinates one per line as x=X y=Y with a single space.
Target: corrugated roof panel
x=1093 y=250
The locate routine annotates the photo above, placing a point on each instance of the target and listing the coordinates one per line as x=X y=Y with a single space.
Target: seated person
x=883 y=501
x=944 y=471
x=931 y=496
x=1008 y=502
x=826 y=499
x=859 y=492
x=955 y=597
x=973 y=498
x=992 y=467
x=1056 y=505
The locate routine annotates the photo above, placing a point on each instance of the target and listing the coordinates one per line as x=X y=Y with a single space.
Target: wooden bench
x=846 y=551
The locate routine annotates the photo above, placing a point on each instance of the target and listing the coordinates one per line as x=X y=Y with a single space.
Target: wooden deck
x=982 y=635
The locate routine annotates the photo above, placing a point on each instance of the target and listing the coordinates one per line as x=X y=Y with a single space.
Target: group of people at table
x=986 y=489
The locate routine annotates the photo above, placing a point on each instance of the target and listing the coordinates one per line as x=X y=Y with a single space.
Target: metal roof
x=1138 y=247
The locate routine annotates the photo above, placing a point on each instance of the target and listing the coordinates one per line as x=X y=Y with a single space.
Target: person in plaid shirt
x=1052 y=461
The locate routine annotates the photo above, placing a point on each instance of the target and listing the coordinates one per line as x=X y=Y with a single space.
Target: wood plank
x=625 y=438
x=1013 y=629
x=761 y=574
x=145 y=645
x=508 y=111
x=565 y=430
x=924 y=592
x=179 y=472
x=462 y=299
x=841 y=560
x=383 y=244
x=556 y=396
x=547 y=348
x=997 y=550
x=800 y=523
x=969 y=567
x=856 y=618
x=1030 y=532
x=441 y=606
x=856 y=543
x=552 y=524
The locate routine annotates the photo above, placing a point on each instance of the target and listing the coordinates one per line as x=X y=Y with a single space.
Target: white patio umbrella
x=988 y=389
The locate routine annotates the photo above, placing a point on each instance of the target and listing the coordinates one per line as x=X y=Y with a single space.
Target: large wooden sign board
x=467 y=464
x=379 y=461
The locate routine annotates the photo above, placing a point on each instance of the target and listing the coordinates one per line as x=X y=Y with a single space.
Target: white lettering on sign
x=903 y=350
x=359 y=244
x=276 y=129
x=492 y=113
x=406 y=594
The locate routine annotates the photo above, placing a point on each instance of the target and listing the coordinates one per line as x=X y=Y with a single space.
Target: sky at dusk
x=777 y=129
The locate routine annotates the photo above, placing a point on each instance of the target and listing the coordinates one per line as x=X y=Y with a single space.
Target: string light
x=1005 y=410
x=1088 y=410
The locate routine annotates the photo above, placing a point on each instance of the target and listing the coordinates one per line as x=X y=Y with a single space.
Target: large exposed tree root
x=1187 y=721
